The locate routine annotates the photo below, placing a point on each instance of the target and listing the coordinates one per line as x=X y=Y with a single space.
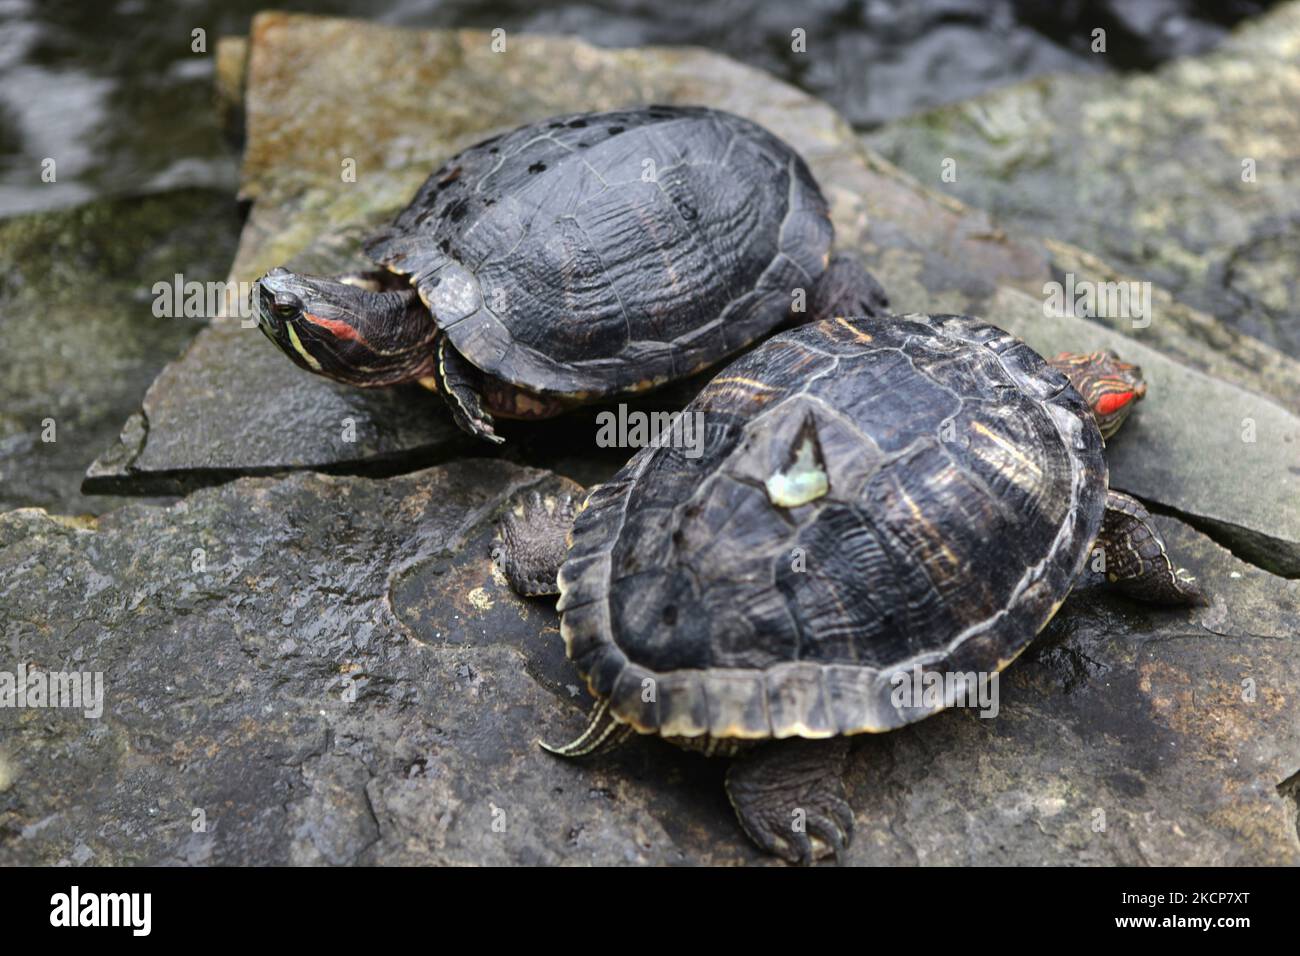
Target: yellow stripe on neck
x=301 y=350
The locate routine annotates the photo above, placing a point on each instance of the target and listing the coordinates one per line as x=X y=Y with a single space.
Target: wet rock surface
x=1148 y=171
x=346 y=679
x=80 y=340
x=227 y=690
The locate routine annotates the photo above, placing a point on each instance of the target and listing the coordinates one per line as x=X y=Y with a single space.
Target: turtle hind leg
x=789 y=798
x=1136 y=562
x=534 y=541
x=846 y=288
x=460 y=385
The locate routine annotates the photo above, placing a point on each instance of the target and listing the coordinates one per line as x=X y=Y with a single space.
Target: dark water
x=112 y=92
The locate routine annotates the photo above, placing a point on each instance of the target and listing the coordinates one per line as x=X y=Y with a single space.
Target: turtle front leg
x=1136 y=562
x=789 y=797
x=534 y=540
x=460 y=385
x=846 y=288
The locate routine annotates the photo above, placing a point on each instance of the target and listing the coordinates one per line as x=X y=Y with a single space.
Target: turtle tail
x=603 y=733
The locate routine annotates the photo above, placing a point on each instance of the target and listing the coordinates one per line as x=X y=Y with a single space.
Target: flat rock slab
x=1147 y=170
x=232 y=406
x=79 y=342
x=305 y=76
x=327 y=669
x=348 y=681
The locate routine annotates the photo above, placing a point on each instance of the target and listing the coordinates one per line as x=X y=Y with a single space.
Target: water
x=114 y=95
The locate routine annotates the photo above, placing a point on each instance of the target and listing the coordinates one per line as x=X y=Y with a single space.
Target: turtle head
x=350 y=329
x=1111 y=387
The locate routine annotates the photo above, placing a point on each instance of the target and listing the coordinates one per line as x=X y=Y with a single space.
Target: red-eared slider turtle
x=875 y=496
x=574 y=259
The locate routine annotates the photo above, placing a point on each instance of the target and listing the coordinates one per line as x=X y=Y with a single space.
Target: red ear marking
x=339 y=329
x=1112 y=402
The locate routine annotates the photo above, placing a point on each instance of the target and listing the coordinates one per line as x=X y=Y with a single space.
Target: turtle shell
x=960 y=482
x=602 y=252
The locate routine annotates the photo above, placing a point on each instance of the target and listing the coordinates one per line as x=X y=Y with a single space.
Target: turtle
x=577 y=258
x=875 y=497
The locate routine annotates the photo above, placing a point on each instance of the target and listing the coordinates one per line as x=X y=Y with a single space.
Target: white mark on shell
x=802 y=481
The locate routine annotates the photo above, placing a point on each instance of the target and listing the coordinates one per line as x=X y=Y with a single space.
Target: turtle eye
x=287 y=306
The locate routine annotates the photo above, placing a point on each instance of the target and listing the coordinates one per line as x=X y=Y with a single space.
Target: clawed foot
x=847 y=288
x=534 y=540
x=1137 y=562
x=789 y=797
x=460 y=384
